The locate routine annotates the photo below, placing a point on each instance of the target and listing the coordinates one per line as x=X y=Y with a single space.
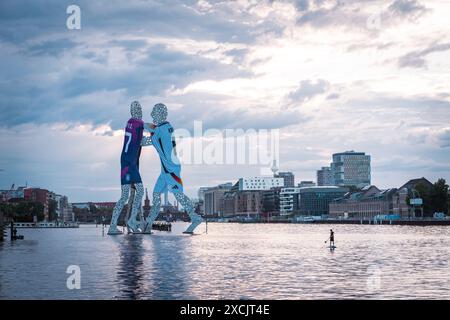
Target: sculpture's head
x=159 y=113
x=136 y=110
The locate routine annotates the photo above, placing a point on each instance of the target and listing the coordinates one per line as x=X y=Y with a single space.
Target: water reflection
x=169 y=271
x=131 y=271
x=152 y=267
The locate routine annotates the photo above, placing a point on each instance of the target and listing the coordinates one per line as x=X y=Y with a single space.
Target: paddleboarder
x=331 y=238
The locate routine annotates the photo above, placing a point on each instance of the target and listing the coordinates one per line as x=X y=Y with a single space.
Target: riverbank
x=414 y=222
x=409 y=222
x=46 y=225
x=1 y=227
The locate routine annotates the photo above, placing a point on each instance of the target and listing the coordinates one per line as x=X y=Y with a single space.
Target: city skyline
x=233 y=180
x=330 y=75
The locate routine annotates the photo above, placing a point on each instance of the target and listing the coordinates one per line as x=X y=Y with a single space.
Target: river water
x=231 y=261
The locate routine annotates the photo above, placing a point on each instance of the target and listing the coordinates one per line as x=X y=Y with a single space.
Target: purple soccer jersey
x=132 y=143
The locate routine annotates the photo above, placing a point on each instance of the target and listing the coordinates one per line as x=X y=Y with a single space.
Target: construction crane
x=8 y=193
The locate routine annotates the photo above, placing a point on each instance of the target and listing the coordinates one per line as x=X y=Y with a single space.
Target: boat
x=306 y=219
x=46 y=225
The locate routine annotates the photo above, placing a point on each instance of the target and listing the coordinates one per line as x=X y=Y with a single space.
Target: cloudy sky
x=332 y=75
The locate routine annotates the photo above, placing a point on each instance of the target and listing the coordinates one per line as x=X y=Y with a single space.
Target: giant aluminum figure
x=169 y=179
x=129 y=172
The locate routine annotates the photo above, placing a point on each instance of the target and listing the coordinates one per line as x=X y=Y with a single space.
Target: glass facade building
x=289 y=179
x=351 y=168
x=271 y=201
x=324 y=177
x=314 y=201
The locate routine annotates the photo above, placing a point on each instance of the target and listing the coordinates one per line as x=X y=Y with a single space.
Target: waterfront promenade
x=399 y=222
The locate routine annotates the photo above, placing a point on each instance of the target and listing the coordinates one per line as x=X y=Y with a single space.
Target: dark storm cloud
x=407 y=7
x=51 y=47
x=333 y=96
x=159 y=70
x=417 y=59
x=348 y=13
x=331 y=13
x=25 y=19
x=308 y=89
x=238 y=55
x=301 y=5
x=215 y=112
x=52 y=74
x=240 y=118
x=22 y=20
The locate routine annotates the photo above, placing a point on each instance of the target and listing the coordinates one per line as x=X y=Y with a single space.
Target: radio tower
x=274 y=168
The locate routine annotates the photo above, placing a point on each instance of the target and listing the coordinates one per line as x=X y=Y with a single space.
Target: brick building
x=365 y=204
x=371 y=201
x=38 y=195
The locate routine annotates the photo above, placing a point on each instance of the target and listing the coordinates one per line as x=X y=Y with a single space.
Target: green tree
x=7 y=209
x=52 y=204
x=439 y=196
x=448 y=204
x=38 y=210
x=23 y=211
x=422 y=191
x=93 y=208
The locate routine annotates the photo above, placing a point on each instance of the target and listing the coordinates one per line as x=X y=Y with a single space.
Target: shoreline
x=360 y=222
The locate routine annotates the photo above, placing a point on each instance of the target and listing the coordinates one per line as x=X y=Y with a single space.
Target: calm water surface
x=232 y=261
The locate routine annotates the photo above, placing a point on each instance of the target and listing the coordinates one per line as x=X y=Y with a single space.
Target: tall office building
x=351 y=168
x=324 y=177
x=213 y=199
x=289 y=179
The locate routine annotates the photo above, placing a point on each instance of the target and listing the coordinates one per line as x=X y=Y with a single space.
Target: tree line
x=435 y=199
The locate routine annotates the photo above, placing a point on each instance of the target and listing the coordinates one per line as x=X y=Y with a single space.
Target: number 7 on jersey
x=129 y=135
